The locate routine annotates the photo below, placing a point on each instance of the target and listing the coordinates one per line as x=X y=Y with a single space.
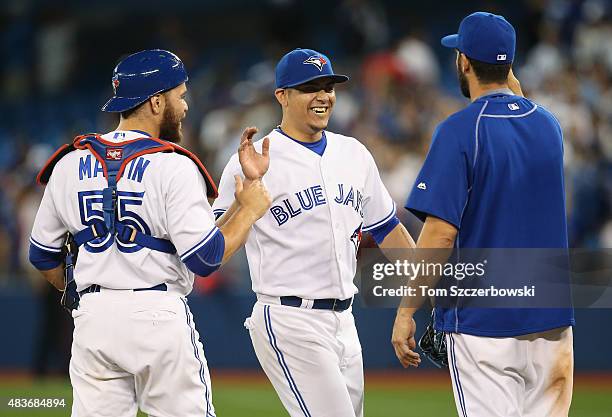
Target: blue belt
x=96 y=288
x=320 y=304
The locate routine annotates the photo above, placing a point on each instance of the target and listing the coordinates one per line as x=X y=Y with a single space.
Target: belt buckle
x=334 y=305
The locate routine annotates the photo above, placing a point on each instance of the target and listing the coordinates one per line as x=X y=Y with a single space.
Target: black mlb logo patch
x=114 y=154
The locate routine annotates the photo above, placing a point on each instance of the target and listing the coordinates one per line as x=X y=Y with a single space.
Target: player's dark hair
x=130 y=112
x=126 y=114
x=490 y=73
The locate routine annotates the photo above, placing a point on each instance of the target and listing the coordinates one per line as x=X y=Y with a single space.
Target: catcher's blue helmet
x=142 y=75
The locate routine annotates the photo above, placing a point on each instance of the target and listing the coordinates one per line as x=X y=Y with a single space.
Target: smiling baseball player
x=326 y=192
x=137 y=207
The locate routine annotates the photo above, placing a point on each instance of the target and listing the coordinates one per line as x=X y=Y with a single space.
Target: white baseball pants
x=524 y=376
x=312 y=357
x=138 y=350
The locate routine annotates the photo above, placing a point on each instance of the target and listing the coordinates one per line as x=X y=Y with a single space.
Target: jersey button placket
x=339 y=240
x=334 y=225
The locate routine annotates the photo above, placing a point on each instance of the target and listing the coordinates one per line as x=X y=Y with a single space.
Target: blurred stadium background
x=57 y=59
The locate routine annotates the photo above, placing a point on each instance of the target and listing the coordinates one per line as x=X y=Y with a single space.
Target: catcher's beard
x=170 y=127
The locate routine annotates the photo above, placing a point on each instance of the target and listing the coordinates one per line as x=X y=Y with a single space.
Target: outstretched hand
x=403 y=341
x=254 y=165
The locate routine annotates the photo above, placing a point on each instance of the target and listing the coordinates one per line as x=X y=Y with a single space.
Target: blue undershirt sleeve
x=207 y=259
x=379 y=233
x=44 y=260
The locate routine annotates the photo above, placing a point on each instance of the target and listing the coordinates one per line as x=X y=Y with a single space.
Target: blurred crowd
x=402 y=85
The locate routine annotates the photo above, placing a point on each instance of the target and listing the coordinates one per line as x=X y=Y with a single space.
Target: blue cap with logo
x=142 y=75
x=485 y=37
x=302 y=65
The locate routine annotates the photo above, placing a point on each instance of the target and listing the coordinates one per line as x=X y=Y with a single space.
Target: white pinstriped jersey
x=306 y=244
x=163 y=194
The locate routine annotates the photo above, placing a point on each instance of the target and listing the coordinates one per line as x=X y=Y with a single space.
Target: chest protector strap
x=114 y=157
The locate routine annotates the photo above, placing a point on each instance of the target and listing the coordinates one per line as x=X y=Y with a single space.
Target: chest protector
x=114 y=157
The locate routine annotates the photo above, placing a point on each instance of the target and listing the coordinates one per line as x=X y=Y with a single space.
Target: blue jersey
x=495 y=171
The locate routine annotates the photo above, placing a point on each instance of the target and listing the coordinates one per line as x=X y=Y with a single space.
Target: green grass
x=261 y=401
x=257 y=399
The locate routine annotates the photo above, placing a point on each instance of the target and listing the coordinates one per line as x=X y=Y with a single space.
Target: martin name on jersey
x=142 y=201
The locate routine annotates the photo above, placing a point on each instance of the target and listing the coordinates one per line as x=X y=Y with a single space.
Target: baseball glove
x=433 y=345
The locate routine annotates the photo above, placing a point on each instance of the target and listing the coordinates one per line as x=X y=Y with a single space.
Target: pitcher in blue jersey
x=493 y=178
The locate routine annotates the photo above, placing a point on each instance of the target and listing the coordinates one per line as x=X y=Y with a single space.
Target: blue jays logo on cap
x=485 y=37
x=303 y=65
x=142 y=75
x=115 y=84
x=317 y=61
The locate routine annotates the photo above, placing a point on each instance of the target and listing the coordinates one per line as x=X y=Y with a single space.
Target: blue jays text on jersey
x=311 y=197
x=322 y=202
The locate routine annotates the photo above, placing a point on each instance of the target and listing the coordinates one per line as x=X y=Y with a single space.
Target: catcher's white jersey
x=164 y=194
x=306 y=244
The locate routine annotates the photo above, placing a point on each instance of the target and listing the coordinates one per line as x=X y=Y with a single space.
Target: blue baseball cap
x=302 y=65
x=142 y=75
x=485 y=37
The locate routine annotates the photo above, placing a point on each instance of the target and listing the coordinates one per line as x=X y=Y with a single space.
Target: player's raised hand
x=254 y=165
x=403 y=341
x=252 y=195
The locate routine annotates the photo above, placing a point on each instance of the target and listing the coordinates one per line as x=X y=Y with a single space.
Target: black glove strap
x=433 y=345
x=70 y=296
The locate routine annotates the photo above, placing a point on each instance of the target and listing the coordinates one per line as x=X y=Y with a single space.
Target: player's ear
x=281 y=96
x=464 y=63
x=157 y=103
